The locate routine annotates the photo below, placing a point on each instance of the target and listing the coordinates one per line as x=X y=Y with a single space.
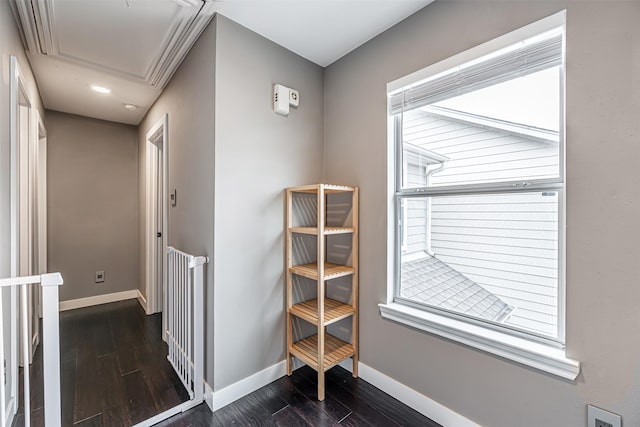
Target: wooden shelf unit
x=322 y=311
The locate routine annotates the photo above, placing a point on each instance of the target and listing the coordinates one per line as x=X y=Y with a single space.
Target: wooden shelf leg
x=355 y=358
x=355 y=203
x=289 y=343
x=322 y=255
x=289 y=255
x=321 y=385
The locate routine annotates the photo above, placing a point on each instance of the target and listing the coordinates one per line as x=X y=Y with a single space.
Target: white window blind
x=523 y=58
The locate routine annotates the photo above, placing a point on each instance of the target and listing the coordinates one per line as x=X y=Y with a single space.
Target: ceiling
x=133 y=47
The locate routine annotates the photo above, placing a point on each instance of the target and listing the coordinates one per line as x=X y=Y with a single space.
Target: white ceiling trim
x=38 y=31
x=181 y=40
x=28 y=28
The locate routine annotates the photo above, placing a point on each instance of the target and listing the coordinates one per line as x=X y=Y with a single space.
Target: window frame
x=440 y=321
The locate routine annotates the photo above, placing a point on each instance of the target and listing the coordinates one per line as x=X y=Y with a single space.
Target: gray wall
x=246 y=158
x=92 y=204
x=603 y=92
x=189 y=101
x=258 y=154
x=10 y=44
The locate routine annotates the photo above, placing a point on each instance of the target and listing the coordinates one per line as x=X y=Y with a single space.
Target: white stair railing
x=50 y=346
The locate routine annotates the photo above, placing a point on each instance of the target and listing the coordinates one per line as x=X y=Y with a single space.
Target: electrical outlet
x=99 y=276
x=597 y=417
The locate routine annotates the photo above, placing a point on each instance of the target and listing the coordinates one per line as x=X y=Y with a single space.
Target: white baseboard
x=221 y=398
x=142 y=300
x=98 y=299
x=410 y=397
x=421 y=403
x=208 y=395
x=185 y=406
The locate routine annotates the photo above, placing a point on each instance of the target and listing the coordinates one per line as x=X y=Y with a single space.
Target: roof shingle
x=434 y=282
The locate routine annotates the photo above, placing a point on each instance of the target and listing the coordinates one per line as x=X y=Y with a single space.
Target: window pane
x=505 y=132
x=491 y=257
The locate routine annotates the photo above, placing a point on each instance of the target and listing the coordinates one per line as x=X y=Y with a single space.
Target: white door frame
x=19 y=97
x=157 y=148
x=40 y=225
x=41 y=186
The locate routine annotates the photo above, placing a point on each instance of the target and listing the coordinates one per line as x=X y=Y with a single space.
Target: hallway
x=114 y=370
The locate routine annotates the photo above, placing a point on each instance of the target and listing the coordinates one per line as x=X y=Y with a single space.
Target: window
x=479 y=189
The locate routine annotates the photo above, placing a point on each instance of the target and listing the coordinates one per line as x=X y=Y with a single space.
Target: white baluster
x=51 y=348
x=26 y=349
x=3 y=409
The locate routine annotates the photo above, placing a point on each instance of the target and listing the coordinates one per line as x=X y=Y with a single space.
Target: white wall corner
x=410 y=397
x=235 y=391
x=142 y=300
x=98 y=299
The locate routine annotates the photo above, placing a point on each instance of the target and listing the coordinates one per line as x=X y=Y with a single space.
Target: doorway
x=156 y=217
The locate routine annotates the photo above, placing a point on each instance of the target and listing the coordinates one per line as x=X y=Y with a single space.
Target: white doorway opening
x=156 y=217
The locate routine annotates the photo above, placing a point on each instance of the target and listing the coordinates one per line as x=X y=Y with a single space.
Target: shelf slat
x=335 y=351
x=304 y=230
x=327 y=230
x=331 y=271
x=333 y=311
x=337 y=230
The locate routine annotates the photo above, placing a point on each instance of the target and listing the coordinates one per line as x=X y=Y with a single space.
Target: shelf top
x=328 y=188
x=327 y=230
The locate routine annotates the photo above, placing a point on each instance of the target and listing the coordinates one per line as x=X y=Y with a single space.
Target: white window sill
x=543 y=357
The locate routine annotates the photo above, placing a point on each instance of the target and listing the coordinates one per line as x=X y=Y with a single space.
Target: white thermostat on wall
x=283 y=97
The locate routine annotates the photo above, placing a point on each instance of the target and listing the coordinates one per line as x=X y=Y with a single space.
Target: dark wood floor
x=292 y=401
x=114 y=370
x=115 y=373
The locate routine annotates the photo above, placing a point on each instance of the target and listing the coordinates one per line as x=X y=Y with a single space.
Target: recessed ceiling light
x=130 y=107
x=100 y=89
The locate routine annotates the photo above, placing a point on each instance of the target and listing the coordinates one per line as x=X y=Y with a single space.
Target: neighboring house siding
x=416 y=235
x=479 y=154
x=507 y=244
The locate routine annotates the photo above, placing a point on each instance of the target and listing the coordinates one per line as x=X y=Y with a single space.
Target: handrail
x=49 y=279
